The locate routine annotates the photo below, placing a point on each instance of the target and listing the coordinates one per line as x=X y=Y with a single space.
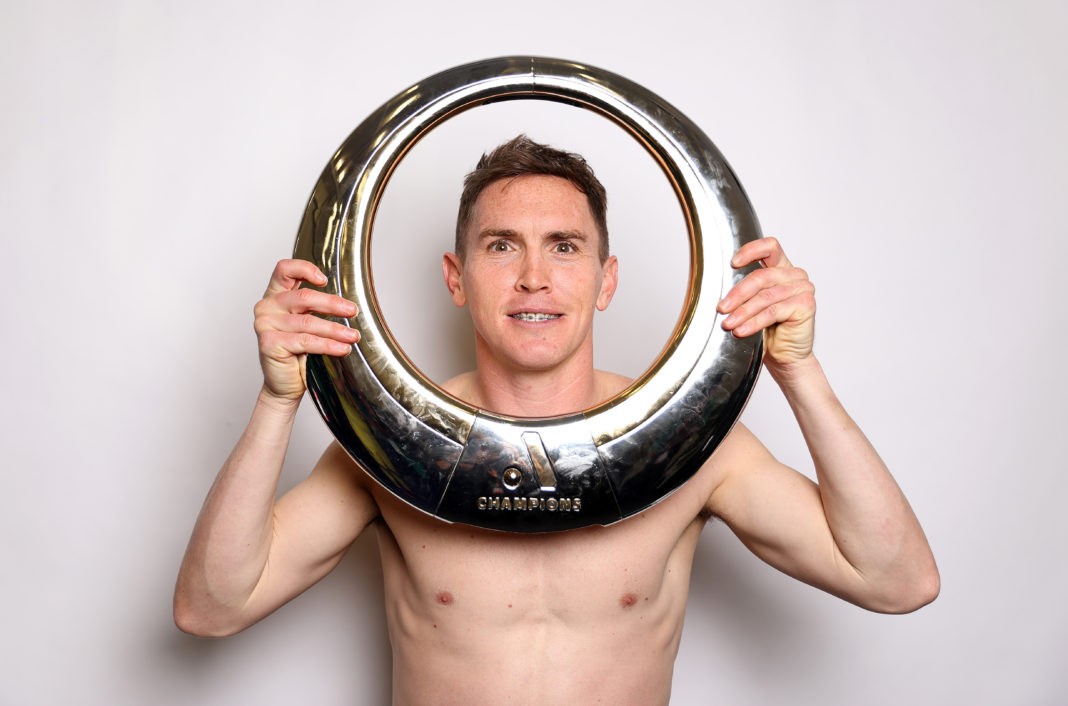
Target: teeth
x=525 y=316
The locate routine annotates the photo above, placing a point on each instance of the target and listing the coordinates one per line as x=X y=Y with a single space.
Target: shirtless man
x=586 y=616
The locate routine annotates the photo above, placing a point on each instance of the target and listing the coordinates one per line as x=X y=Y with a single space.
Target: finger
x=306 y=324
x=784 y=301
x=288 y=274
x=282 y=345
x=302 y=301
x=795 y=309
x=764 y=319
x=756 y=281
x=767 y=251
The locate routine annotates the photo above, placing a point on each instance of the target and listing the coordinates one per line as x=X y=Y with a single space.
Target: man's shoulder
x=737 y=446
x=336 y=466
x=610 y=384
x=461 y=386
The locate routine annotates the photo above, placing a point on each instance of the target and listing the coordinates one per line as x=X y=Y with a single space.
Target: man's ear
x=452 y=270
x=609 y=280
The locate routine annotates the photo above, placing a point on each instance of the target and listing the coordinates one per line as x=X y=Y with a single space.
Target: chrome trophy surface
x=463 y=464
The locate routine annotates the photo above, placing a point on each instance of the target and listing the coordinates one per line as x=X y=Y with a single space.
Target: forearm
x=873 y=526
x=232 y=537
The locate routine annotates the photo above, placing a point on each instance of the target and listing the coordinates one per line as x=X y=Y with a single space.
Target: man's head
x=521 y=156
x=531 y=261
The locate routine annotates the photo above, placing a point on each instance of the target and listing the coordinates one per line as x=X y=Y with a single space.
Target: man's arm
x=248 y=553
x=852 y=533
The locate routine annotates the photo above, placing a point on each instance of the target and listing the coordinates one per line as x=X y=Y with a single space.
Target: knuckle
x=262 y=322
x=770 y=294
x=757 y=279
x=281 y=270
x=801 y=287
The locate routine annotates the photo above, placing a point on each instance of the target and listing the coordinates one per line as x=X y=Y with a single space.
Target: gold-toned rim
x=667 y=136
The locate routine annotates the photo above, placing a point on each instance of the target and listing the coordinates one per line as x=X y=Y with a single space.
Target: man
x=585 y=616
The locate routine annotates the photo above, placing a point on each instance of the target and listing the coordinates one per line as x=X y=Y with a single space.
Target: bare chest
x=571 y=577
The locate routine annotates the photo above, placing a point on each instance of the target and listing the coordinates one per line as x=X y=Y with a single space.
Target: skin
x=482 y=617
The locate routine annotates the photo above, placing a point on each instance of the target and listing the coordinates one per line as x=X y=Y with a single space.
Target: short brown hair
x=521 y=156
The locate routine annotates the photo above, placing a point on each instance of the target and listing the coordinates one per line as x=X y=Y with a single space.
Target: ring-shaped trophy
x=469 y=465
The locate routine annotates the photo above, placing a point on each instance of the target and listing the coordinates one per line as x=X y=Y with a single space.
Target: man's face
x=531 y=274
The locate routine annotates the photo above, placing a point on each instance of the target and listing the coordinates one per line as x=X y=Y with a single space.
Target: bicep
x=778 y=514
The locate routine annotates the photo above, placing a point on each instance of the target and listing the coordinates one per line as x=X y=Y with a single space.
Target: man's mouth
x=533 y=317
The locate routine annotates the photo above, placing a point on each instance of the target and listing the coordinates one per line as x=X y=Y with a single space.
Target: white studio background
x=154 y=163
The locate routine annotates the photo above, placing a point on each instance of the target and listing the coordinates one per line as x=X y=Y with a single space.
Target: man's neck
x=533 y=394
x=565 y=389
x=535 y=399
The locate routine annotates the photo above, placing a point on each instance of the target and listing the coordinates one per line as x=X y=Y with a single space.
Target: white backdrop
x=154 y=162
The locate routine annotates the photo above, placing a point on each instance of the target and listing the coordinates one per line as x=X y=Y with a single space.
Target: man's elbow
x=927 y=589
x=910 y=595
x=200 y=623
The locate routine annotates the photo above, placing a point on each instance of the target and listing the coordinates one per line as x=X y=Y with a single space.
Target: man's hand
x=778 y=299
x=288 y=329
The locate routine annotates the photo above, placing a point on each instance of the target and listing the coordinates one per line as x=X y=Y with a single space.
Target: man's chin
x=528 y=357
x=536 y=365
x=528 y=362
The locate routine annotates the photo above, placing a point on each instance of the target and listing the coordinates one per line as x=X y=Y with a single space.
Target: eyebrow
x=569 y=235
x=497 y=233
x=490 y=233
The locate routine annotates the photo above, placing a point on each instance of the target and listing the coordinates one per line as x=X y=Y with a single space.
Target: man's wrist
x=277 y=404
x=795 y=372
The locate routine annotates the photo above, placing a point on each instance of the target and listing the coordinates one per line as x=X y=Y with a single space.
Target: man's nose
x=533 y=273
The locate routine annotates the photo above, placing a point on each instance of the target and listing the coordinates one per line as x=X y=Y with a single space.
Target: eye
x=566 y=247
x=500 y=246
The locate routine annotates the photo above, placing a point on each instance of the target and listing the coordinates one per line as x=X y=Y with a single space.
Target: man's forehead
x=528 y=181
x=530 y=193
